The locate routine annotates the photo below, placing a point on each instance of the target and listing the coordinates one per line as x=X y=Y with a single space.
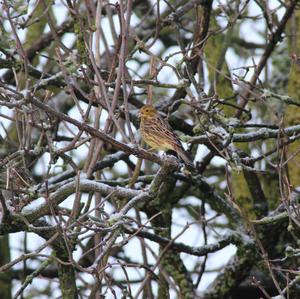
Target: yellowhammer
x=159 y=135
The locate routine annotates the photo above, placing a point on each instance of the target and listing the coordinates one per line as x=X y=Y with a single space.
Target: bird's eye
x=147 y=110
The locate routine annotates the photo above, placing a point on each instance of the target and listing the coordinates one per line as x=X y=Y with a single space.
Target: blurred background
x=87 y=210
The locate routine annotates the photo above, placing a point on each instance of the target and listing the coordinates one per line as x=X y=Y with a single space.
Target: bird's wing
x=168 y=133
x=174 y=139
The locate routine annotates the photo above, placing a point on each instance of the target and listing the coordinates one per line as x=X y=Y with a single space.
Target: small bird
x=159 y=135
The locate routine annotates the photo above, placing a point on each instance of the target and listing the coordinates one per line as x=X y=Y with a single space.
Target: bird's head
x=147 y=111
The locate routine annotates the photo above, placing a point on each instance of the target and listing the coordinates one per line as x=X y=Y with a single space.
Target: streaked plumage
x=159 y=135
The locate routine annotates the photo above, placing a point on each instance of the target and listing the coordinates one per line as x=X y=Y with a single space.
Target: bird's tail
x=186 y=158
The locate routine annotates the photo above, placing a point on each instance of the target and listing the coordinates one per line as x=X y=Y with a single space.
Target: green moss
x=292 y=114
x=173 y=265
x=36 y=30
x=215 y=50
x=66 y=275
x=242 y=194
x=5 y=279
x=80 y=44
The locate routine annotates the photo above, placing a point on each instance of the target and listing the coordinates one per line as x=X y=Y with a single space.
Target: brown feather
x=157 y=133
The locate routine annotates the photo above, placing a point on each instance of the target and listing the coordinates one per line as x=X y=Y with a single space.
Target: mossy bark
x=67 y=278
x=292 y=113
x=5 y=279
x=171 y=262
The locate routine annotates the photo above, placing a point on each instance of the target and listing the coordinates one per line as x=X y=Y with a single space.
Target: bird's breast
x=153 y=137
